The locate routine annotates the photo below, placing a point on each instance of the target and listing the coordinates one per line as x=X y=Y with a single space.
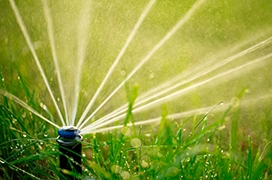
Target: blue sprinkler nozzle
x=68 y=132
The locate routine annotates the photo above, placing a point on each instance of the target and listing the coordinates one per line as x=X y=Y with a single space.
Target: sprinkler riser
x=70 y=147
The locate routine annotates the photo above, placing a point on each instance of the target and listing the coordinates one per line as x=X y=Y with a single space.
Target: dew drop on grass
x=144 y=164
x=267 y=161
x=83 y=155
x=116 y=169
x=172 y=171
x=135 y=142
x=221 y=128
x=123 y=73
x=24 y=115
x=148 y=135
x=3 y=79
x=14 y=120
x=43 y=106
x=45 y=135
x=24 y=135
x=125 y=131
x=159 y=154
x=125 y=175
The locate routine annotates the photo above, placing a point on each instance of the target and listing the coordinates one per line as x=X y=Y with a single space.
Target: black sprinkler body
x=70 y=147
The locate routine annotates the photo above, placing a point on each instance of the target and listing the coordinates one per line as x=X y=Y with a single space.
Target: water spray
x=70 y=147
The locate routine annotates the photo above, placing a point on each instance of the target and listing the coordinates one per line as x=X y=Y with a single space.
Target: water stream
x=89 y=54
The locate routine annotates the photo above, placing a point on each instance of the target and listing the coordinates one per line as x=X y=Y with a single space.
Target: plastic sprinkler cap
x=68 y=132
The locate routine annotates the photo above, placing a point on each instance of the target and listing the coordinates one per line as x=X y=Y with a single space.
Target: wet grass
x=208 y=148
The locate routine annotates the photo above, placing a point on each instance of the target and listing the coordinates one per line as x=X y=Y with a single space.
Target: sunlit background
x=222 y=49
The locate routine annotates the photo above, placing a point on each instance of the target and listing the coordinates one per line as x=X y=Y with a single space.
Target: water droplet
x=148 y=135
x=18 y=77
x=24 y=135
x=221 y=128
x=123 y=73
x=43 y=106
x=172 y=171
x=151 y=76
x=125 y=175
x=125 y=130
x=116 y=169
x=3 y=79
x=45 y=135
x=159 y=154
x=83 y=155
x=144 y=164
x=24 y=115
x=135 y=142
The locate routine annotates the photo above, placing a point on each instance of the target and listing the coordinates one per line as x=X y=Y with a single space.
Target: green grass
x=206 y=150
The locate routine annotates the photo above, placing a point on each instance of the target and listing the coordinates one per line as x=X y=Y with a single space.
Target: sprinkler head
x=70 y=147
x=68 y=132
